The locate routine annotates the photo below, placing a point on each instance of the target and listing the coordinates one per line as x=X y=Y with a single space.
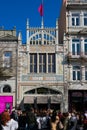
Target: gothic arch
x=45 y=34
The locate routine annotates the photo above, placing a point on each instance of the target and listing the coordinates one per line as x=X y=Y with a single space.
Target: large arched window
x=42 y=91
x=7 y=89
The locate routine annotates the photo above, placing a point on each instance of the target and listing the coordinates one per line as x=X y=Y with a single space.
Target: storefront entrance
x=77 y=100
x=43 y=98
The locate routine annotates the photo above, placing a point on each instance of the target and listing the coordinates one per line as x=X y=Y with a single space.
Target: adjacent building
x=8 y=58
x=73 y=34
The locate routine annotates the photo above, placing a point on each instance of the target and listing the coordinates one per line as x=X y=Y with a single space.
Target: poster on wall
x=6 y=102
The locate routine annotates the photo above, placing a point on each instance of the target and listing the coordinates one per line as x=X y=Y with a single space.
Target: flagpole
x=42 y=25
x=42 y=22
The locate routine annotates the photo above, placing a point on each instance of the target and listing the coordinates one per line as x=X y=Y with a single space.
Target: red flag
x=40 y=9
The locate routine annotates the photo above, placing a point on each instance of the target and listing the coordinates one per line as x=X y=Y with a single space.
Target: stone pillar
x=83 y=72
x=65 y=97
x=81 y=19
x=70 y=73
x=69 y=20
x=70 y=46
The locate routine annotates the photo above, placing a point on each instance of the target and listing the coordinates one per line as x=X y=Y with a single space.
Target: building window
x=51 y=63
x=7 y=59
x=33 y=63
x=7 y=89
x=42 y=63
x=85 y=72
x=85 y=46
x=76 y=73
x=85 y=19
x=75 y=47
x=75 y=19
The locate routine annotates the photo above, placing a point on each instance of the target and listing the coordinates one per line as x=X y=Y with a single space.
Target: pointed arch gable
x=38 y=35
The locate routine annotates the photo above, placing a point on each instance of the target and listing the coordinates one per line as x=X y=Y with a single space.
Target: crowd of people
x=42 y=120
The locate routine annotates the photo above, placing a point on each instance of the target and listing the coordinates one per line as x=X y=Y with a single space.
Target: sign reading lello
x=6 y=102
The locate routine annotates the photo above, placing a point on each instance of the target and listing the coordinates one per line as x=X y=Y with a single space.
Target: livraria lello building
x=50 y=70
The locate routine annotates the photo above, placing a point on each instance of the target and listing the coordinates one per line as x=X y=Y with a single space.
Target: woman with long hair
x=7 y=123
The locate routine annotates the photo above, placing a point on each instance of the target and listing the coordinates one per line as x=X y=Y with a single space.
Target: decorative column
x=69 y=20
x=83 y=73
x=65 y=97
x=81 y=19
x=70 y=73
x=70 y=46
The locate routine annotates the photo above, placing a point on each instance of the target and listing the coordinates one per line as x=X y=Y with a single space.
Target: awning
x=28 y=99
x=42 y=99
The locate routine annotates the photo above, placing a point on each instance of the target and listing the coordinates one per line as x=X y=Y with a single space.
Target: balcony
x=79 y=58
x=76 y=4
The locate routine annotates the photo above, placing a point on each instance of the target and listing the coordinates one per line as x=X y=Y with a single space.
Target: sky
x=15 y=13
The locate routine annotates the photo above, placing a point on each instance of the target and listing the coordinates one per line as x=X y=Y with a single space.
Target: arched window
x=42 y=91
x=7 y=89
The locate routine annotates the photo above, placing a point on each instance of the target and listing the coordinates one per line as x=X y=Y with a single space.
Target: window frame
x=76 y=73
x=33 y=63
x=76 y=18
x=7 y=59
x=76 y=47
x=85 y=18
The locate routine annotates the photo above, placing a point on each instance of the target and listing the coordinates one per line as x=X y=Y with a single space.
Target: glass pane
x=35 y=68
x=85 y=75
x=78 y=75
x=44 y=68
x=73 y=49
x=49 y=68
x=35 y=59
x=77 y=21
x=53 y=68
x=73 y=21
x=78 y=49
x=31 y=68
x=44 y=58
x=85 y=21
x=74 y=75
x=40 y=58
x=85 y=49
x=8 y=54
x=40 y=68
x=53 y=58
x=49 y=58
x=76 y=67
